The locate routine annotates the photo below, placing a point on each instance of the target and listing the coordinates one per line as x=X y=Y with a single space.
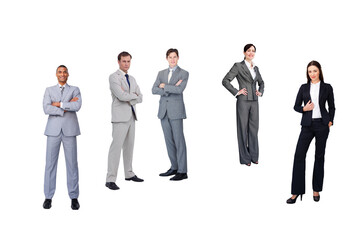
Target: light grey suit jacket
x=171 y=101
x=245 y=80
x=123 y=97
x=59 y=120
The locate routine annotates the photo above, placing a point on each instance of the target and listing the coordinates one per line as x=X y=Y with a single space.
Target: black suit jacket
x=326 y=94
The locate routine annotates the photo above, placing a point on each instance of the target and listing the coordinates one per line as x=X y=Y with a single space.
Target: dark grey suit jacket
x=171 y=100
x=245 y=80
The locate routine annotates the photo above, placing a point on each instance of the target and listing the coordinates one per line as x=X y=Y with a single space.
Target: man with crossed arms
x=125 y=95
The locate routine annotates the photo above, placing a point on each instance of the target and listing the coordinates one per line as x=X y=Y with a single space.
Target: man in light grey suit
x=125 y=95
x=61 y=102
x=170 y=84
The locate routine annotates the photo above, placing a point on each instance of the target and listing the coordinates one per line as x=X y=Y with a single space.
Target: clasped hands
x=57 y=104
x=162 y=85
x=244 y=92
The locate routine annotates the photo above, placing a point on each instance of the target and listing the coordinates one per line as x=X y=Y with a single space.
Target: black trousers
x=321 y=133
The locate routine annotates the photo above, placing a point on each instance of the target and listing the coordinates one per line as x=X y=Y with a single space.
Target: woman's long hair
x=316 y=64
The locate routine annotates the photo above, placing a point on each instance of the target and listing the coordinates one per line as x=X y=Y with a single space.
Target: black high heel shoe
x=291 y=201
x=316 y=198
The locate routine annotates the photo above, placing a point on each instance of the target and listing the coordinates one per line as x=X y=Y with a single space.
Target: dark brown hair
x=124 y=54
x=247 y=46
x=172 y=50
x=316 y=64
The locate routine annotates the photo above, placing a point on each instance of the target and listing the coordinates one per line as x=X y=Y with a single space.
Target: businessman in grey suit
x=170 y=84
x=61 y=102
x=247 y=114
x=125 y=95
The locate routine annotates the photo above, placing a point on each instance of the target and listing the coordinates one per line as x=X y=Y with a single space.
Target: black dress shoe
x=179 y=176
x=75 y=204
x=112 y=186
x=47 y=204
x=316 y=198
x=135 y=179
x=292 y=201
x=168 y=173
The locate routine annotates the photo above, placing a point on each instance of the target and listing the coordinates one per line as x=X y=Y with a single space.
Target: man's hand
x=178 y=82
x=55 y=104
x=74 y=99
x=162 y=85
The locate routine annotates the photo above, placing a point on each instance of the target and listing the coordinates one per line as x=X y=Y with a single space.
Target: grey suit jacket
x=245 y=80
x=123 y=97
x=59 y=120
x=171 y=100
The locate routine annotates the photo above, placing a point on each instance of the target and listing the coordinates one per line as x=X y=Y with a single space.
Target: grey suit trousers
x=175 y=143
x=123 y=138
x=52 y=155
x=247 y=116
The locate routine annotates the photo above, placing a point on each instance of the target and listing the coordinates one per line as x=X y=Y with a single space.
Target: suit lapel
x=123 y=80
x=173 y=78
x=246 y=71
x=65 y=93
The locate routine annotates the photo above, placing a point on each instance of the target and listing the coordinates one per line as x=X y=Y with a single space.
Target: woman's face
x=250 y=53
x=314 y=73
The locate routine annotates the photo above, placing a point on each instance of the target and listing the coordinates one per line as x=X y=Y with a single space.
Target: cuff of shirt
x=61 y=105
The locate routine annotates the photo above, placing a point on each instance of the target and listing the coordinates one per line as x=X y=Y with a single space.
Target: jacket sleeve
x=177 y=89
x=331 y=104
x=298 y=102
x=261 y=83
x=156 y=90
x=118 y=92
x=139 y=94
x=228 y=78
x=73 y=106
x=48 y=108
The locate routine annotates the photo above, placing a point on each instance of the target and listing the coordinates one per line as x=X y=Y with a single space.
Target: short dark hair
x=61 y=66
x=316 y=64
x=124 y=54
x=171 y=50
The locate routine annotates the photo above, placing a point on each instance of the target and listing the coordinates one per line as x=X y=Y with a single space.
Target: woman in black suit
x=316 y=122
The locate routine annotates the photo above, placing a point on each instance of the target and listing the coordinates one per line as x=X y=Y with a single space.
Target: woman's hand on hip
x=243 y=92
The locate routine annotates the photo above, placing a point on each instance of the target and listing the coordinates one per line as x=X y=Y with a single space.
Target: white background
x=221 y=199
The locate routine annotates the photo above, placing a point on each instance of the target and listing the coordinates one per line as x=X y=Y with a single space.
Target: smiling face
x=172 y=58
x=62 y=75
x=124 y=63
x=250 y=54
x=314 y=73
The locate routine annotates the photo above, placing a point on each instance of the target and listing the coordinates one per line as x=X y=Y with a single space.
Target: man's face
x=172 y=59
x=124 y=63
x=62 y=75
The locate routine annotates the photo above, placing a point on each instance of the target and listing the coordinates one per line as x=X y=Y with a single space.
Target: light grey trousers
x=247 y=116
x=72 y=171
x=123 y=134
x=175 y=143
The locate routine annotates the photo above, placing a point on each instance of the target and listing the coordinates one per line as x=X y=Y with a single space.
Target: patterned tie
x=127 y=79
x=62 y=91
x=170 y=74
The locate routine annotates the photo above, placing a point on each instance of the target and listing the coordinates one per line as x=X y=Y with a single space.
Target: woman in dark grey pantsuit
x=247 y=108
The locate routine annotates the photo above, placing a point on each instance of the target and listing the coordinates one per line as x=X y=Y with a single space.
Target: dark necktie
x=62 y=91
x=127 y=79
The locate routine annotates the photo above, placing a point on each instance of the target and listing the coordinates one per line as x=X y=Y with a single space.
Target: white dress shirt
x=251 y=68
x=314 y=93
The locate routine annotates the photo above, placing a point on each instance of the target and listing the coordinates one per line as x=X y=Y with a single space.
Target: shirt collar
x=173 y=69
x=123 y=72
x=249 y=64
x=65 y=85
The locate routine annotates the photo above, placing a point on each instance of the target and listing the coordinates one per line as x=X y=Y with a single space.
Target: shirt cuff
x=61 y=105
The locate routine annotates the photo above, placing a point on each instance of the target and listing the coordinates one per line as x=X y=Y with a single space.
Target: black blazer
x=326 y=94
